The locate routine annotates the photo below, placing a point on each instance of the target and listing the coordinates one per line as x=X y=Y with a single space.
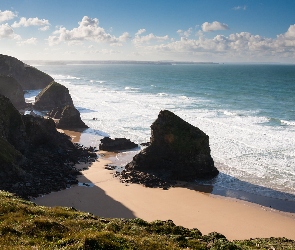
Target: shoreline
x=105 y=196
x=279 y=204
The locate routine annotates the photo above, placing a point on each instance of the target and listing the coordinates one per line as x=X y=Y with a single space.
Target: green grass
x=24 y=225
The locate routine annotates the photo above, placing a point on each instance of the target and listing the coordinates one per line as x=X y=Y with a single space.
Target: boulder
x=178 y=151
x=117 y=144
x=10 y=88
x=53 y=96
x=27 y=76
x=70 y=118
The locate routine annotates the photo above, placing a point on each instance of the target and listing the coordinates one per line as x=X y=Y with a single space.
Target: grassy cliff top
x=24 y=225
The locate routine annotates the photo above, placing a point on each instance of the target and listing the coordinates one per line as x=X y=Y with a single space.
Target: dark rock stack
x=117 y=144
x=178 y=151
x=70 y=118
x=27 y=76
x=53 y=96
x=34 y=157
x=56 y=98
x=10 y=88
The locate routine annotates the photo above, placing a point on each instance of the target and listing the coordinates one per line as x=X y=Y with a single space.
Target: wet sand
x=104 y=195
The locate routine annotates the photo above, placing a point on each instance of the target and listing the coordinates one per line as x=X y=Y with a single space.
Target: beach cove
x=251 y=136
x=102 y=194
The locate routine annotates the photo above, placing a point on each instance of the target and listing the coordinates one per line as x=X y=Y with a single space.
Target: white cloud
x=185 y=33
x=6 y=15
x=53 y=40
x=243 y=45
x=30 y=22
x=124 y=37
x=75 y=43
x=290 y=34
x=138 y=39
x=207 y=27
x=139 y=32
x=89 y=30
x=7 y=32
x=240 y=7
x=30 y=41
x=44 y=28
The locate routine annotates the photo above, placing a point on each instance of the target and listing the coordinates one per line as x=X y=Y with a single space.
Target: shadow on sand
x=87 y=197
x=245 y=191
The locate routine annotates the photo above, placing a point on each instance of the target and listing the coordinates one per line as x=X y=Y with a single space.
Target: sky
x=229 y=31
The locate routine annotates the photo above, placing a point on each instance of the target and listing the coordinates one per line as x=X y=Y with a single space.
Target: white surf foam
x=248 y=150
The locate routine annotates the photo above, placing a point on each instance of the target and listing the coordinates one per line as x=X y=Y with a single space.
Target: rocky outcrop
x=70 y=118
x=117 y=144
x=34 y=157
x=55 y=113
x=12 y=127
x=10 y=88
x=178 y=151
x=53 y=96
x=27 y=76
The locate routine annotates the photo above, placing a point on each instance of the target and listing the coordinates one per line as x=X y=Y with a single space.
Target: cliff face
x=53 y=96
x=178 y=151
x=10 y=88
x=34 y=157
x=12 y=137
x=12 y=127
x=27 y=76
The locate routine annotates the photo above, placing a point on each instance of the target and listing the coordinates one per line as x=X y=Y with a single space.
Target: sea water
x=248 y=112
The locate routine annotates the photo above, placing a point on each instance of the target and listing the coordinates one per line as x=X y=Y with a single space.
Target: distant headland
x=71 y=62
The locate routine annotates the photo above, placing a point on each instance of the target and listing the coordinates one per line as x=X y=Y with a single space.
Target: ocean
x=248 y=112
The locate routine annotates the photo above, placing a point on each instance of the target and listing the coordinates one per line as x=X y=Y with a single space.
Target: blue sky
x=186 y=30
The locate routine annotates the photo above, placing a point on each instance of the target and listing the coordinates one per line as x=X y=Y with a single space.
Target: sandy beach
x=102 y=194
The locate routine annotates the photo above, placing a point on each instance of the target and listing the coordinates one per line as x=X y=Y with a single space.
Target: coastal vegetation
x=24 y=225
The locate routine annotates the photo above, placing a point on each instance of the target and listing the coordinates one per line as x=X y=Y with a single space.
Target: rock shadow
x=87 y=198
x=229 y=186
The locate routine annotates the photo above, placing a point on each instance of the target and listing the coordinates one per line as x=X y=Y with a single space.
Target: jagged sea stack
x=178 y=151
x=70 y=118
x=54 y=95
